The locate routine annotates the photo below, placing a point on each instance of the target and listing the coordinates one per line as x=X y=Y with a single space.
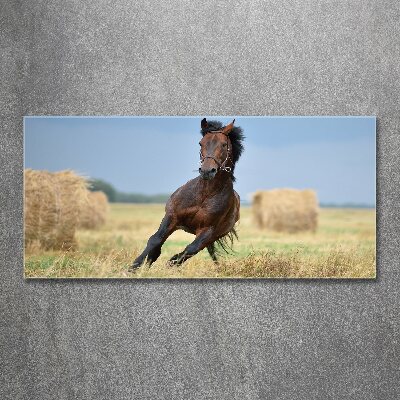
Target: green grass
x=342 y=247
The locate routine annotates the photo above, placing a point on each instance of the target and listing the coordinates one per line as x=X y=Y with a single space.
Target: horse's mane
x=236 y=136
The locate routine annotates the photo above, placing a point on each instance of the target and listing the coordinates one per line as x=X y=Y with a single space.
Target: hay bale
x=286 y=210
x=94 y=212
x=52 y=204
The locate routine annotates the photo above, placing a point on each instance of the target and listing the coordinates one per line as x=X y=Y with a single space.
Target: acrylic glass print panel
x=200 y=197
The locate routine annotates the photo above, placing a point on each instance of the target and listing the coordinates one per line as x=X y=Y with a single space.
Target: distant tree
x=98 y=184
x=141 y=198
x=120 y=197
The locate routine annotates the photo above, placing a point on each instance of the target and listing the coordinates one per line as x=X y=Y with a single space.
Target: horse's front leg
x=154 y=244
x=203 y=239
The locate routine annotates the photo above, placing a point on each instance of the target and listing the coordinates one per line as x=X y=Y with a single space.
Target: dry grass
x=342 y=247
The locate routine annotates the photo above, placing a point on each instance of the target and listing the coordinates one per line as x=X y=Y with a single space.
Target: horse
x=206 y=206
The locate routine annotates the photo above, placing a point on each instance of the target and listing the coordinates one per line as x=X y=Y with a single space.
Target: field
x=342 y=247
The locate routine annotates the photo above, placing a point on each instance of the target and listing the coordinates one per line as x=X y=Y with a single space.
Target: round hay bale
x=94 y=212
x=52 y=204
x=286 y=210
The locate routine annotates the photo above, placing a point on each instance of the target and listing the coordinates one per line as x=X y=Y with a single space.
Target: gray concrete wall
x=199 y=339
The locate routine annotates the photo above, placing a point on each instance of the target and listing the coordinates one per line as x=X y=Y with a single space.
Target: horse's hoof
x=172 y=263
x=134 y=267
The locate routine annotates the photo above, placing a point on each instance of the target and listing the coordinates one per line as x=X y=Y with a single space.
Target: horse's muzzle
x=208 y=174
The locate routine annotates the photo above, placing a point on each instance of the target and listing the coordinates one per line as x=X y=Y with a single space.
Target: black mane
x=236 y=136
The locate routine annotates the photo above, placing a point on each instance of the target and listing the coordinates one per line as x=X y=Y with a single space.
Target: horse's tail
x=225 y=243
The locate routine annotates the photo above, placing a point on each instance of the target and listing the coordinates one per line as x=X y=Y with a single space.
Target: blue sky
x=333 y=155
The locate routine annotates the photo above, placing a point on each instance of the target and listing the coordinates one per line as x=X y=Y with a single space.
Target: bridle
x=221 y=165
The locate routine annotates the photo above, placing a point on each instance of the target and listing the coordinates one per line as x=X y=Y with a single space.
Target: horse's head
x=215 y=150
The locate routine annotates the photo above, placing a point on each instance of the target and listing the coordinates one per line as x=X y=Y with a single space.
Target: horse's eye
x=223 y=144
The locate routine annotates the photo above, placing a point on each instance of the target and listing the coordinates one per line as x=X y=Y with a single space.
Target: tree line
x=115 y=196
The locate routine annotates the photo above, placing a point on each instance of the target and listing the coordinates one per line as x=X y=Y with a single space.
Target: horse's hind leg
x=154 y=244
x=211 y=252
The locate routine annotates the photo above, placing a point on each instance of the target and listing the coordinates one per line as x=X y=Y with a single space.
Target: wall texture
x=199 y=339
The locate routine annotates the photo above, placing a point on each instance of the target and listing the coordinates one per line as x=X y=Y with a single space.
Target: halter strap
x=213 y=158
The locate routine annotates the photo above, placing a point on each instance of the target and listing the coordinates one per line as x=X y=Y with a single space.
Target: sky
x=336 y=156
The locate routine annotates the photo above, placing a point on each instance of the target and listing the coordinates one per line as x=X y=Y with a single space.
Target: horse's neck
x=221 y=182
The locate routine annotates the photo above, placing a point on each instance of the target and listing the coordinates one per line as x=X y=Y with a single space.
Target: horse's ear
x=227 y=130
x=204 y=124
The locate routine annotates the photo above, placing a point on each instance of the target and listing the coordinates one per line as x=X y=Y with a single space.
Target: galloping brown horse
x=206 y=206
